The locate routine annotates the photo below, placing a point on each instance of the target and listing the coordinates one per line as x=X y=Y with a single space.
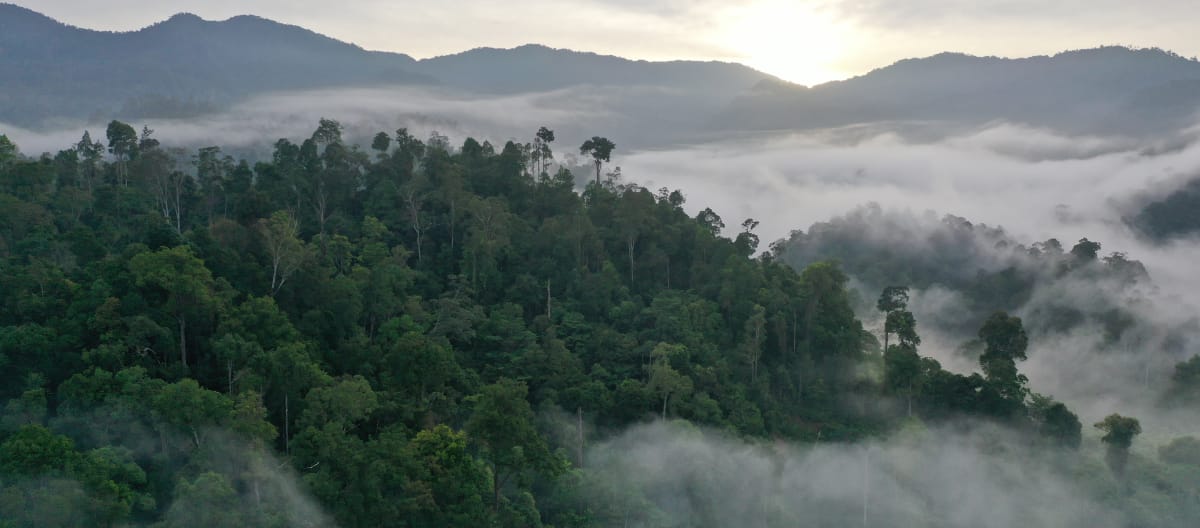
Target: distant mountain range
x=1102 y=90
x=54 y=74
x=187 y=65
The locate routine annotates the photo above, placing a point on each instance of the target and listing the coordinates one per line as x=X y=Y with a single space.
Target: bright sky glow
x=806 y=41
x=789 y=39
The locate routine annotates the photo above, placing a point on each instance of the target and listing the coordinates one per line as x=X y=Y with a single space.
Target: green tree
x=600 y=149
x=207 y=501
x=90 y=155
x=754 y=336
x=541 y=153
x=452 y=485
x=892 y=299
x=190 y=289
x=664 y=379
x=286 y=250
x=191 y=409
x=122 y=144
x=1005 y=343
x=1055 y=422
x=1119 y=432
x=502 y=423
x=8 y=153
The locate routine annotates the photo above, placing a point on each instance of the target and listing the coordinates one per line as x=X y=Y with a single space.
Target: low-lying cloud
x=1035 y=184
x=987 y=478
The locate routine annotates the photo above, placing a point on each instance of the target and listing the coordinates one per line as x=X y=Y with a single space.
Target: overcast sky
x=806 y=41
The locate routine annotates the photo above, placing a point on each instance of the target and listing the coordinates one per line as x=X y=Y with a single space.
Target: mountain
x=641 y=102
x=180 y=66
x=186 y=66
x=534 y=67
x=1102 y=90
x=52 y=73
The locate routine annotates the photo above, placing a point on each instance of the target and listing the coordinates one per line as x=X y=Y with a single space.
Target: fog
x=250 y=127
x=943 y=477
x=1034 y=183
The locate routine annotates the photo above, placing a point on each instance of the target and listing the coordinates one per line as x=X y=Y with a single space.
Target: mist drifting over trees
x=537 y=287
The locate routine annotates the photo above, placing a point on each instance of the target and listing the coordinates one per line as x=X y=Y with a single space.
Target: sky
x=804 y=41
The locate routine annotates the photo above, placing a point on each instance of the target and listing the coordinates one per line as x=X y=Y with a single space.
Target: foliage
x=405 y=331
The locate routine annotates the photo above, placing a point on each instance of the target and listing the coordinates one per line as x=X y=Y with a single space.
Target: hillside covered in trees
x=433 y=335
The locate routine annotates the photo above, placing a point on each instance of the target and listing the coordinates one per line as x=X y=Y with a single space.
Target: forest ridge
x=431 y=334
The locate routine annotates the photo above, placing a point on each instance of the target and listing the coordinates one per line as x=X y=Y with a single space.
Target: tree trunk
x=579 y=412
x=668 y=272
x=182 y=340
x=495 y=489
x=452 y=215
x=664 y=411
x=274 y=272
x=909 y=397
x=631 y=243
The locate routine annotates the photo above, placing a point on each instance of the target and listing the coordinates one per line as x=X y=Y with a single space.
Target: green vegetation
x=411 y=330
x=1176 y=215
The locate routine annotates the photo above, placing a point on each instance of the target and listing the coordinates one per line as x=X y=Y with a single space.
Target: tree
x=502 y=424
x=8 y=152
x=1118 y=437
x=747 y=241
x=541 y=152
x=1005 y=342
x=710 y=221
x=287 y=252
x=1055 y=422
x=664 y=379
x=209 y=501
x=753 y=337
x=122 y=144
x=328 y=132
x=488 y=234
x=1086 y=250
x=633 y=211
x=90 y=155
x=903 y=372
x=600 y=149
x=381 y=143
x=904 y=325
x=212 y=175
x=190 y=408
x=455 y=482
x=187 y=282
x=892 y=299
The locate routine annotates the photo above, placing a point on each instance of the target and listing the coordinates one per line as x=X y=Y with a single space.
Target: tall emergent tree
x=1118 y=437
x=1004 y=342
x=600 y=149
x=893 y=298
x=123 y=144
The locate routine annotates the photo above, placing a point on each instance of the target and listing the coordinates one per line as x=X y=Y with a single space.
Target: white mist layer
x=928 y=478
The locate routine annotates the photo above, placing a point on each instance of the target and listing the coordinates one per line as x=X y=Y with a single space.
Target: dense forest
x=422 y=334
x=1176 y=215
